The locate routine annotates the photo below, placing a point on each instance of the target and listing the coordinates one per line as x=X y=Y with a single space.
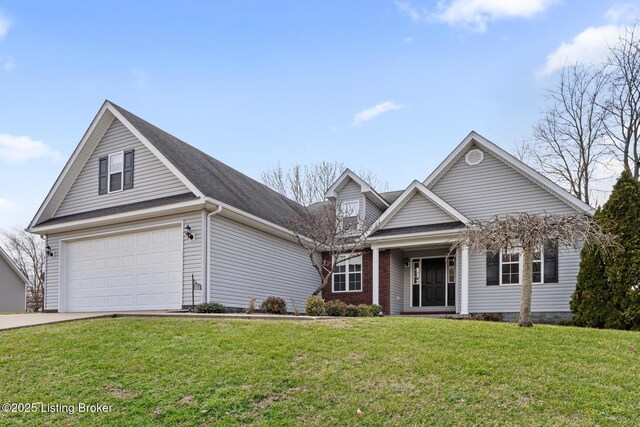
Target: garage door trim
x=62 y=258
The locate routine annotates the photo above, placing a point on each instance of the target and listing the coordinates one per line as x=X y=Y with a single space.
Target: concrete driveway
x=15 y=321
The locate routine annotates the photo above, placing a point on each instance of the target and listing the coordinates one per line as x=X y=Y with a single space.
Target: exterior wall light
x=48 y=250
x=188 y=233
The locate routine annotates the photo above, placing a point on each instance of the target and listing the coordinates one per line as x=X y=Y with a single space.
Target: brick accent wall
x=366 y=295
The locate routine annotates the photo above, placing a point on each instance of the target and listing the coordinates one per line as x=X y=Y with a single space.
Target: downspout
x=208 y=234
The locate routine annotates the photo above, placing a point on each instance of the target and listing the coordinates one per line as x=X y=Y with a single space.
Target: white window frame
x=347 y=262
x=356 y=212
x=520 y=264
x=110 y=172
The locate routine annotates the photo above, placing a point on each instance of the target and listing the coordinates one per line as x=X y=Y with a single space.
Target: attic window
x=115 y=172
x=474 y=157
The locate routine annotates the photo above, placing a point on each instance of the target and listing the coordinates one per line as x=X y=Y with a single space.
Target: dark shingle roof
x=217 y=180
x=391 y=196
x=418 y=229
x=121 y=209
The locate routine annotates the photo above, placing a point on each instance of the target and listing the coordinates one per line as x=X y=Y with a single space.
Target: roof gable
x=347 y=176
x=153 y=179
x=539 y=180
x=417 y=205
x=4 y=256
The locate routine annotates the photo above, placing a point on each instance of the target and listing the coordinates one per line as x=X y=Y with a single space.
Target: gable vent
x=474 y=157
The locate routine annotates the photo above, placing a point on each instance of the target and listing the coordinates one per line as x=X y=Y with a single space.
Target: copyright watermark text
x=54 y=408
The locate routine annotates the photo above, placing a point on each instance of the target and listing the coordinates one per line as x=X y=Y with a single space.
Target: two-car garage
x=134 y=271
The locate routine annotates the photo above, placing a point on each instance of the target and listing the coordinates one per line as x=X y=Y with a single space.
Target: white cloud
x=5 y=24
x=373 y=112
x=6 y=204
x=475 y=14
x=592 y=45
x=15 y=148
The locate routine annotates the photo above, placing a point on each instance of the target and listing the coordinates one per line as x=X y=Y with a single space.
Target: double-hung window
x=511 y=266
x=350 y=211
x=116 y=166
x=347 y=276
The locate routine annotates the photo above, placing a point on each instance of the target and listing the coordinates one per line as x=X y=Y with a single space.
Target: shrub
x=352 y=311
x=607 y=293
x=274 y=305
x=251 y=307
x=364 y=310
x=336 y=308
x=211 y=307
x=375 y=310
x=314 y=306
x=487 y=317
x=296 y=312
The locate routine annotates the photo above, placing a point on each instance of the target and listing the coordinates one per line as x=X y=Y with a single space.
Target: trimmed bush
x=314 y=306
x=375 y=310
x=336 y=308
x=211 y=307
x=274 y=305
x=364 y=310
x=352 y=311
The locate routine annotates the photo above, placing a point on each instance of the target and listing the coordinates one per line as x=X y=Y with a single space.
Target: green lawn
x=396 y=371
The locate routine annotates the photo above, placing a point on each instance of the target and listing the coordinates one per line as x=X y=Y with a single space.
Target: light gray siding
x=548 y=297
x=351 y=191
x=12 y=297
x=192 y=253
x=397 y=281
x=492 y=188
x=248 y=263
x=372 y=212
x=418 y=210
x=151 y=179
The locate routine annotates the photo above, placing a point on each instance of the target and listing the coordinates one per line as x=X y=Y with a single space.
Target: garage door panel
x=144 y=273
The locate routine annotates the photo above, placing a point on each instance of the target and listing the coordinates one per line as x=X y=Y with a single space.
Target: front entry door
x=433 y=282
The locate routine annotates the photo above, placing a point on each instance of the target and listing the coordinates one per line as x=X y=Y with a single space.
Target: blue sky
x=388 y=86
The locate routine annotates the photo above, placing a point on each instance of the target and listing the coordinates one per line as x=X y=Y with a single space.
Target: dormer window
x=350 y=211
x=115 y=172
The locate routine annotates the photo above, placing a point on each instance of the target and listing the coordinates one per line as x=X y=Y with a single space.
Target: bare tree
x=326 y=229
x=623 y=104
x=307 y=183
x=28 y=253
x=568 y=142
x=529 y=233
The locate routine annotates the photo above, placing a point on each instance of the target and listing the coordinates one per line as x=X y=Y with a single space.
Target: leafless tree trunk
x=569 y=138
x=307 y=184
x=28 y=253
x=623 y=104
x=327 y=229
x=526 y=291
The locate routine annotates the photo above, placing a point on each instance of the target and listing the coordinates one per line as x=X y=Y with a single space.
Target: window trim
x=519 y=251
x=346 y=273
x=109 y=173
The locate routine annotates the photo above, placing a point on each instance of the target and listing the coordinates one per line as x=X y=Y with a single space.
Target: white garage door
x=137 y=271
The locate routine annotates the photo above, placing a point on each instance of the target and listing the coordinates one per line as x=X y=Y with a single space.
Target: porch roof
x=399 y=231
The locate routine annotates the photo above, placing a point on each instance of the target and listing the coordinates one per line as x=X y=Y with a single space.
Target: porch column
x=375 y=277
x=464 y=281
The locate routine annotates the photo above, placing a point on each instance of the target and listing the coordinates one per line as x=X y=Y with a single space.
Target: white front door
x=134 y=271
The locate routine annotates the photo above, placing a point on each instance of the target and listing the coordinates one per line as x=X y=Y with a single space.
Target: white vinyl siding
x=151 y=179
x=248 y=263
x=396 y=281
x=12 y=292
x=192 y=253
x=493 y=187
x=418 y=210
x=551 y=297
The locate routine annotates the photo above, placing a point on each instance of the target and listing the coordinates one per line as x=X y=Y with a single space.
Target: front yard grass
x=396 y=371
